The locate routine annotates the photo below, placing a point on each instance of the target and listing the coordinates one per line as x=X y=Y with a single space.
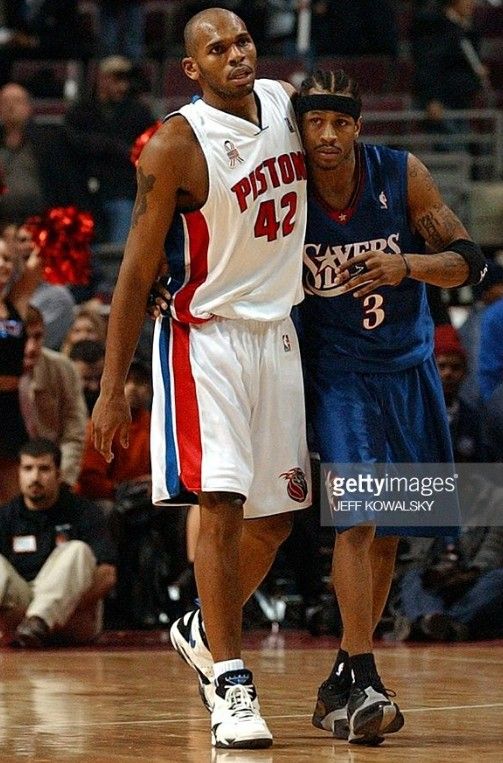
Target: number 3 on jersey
x=268 y=222
x=374 y=314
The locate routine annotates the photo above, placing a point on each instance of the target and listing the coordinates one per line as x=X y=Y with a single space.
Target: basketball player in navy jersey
x=221 y=190
x=373 y=390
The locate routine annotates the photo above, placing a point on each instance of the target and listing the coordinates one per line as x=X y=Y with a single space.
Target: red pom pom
x=63 y=235
x=141 y=140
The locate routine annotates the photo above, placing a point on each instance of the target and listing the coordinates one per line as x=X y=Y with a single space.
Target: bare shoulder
x=287 y=87
x=174 y=143
x=173 y=156
x=418 y=175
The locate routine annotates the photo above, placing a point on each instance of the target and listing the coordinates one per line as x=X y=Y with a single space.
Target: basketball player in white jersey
x=221 y=189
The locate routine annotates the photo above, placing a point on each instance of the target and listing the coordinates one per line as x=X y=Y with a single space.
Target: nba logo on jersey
x=383 y=200
x=289 y=124
x=286 y=343
x=232 y=153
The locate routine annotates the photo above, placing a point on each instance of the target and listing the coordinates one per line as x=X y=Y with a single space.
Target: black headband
x=344 y=104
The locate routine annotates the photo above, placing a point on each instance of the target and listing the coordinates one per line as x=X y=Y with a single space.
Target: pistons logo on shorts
x=296 y=484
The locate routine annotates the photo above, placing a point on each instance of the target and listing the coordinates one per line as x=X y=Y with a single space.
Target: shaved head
x=15 y=105
x=206 y=21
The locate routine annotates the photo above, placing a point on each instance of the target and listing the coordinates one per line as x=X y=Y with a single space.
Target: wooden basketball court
x=121 y=702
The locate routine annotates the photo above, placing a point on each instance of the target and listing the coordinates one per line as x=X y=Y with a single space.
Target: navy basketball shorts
x=396 y=417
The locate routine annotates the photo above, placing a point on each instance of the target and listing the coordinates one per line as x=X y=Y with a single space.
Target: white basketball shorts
x=228 y=413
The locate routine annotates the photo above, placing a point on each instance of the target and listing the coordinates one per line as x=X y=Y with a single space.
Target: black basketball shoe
x=371 y=713
x=331 y=711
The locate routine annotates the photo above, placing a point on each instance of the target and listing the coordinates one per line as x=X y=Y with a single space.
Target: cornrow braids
x=331 y=81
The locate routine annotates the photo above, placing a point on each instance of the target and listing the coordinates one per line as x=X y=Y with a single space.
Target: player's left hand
x=365 y=272
x=159 y=298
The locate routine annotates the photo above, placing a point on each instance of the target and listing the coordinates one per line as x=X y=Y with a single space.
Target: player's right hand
x=159 y=298
x=110 y=414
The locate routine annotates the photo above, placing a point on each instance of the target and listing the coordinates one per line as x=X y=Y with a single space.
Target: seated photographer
x=57 y=562
x=454 y=592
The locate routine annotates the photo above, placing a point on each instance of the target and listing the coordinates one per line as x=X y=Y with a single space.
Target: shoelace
x=387 y=692
x=240 y=701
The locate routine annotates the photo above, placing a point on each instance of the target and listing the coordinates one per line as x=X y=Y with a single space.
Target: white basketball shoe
x=189 y=640
x=235 y=719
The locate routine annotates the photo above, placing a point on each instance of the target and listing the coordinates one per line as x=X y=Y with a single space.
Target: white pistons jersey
x=240 y=254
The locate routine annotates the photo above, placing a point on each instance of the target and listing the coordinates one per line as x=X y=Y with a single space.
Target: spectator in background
x=52 y=402
x=25 y=157
x=99 y=288
x=39 y=29
x=14 y=300
x=491 y=349
x=455 y=593
x=57 y=562
x=464 y=420
x=100 y=480
x=448 y=71
x=88 y=358
x=379 y=22
x=121 y=24
x=29 y=155
x=349 y=28
x=493 y=427
x=103 y=129
x=452 y=592
x=485 y=293
x=87 y=324
x=280 y=27
x=335 y=28
x=54 y=301
x=151 y=540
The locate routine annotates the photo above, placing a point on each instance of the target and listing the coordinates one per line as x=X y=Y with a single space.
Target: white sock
x=223 y=667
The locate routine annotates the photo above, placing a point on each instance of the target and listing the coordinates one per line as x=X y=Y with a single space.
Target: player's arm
x=455 y=258
x=159 y=180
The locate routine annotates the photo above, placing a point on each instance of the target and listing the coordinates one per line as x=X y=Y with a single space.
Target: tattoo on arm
x=438 y=226
x=145 y=185
x=430 y=216
x=417 y=171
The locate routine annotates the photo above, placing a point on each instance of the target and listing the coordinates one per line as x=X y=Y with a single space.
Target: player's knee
x=221 y=515
x=270 y=531
x=219 y=503
x=76 y=552
x=281 y=528
x=4 y=577
x=356 y=538
x=78 y=548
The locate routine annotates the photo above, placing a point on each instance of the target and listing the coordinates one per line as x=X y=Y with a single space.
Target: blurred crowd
x=52 y=335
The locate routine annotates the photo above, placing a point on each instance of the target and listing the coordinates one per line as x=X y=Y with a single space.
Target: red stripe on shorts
x=188 y=432
x=198 y=243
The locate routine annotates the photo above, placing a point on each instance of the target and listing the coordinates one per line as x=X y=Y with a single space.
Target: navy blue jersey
x=390 y=329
